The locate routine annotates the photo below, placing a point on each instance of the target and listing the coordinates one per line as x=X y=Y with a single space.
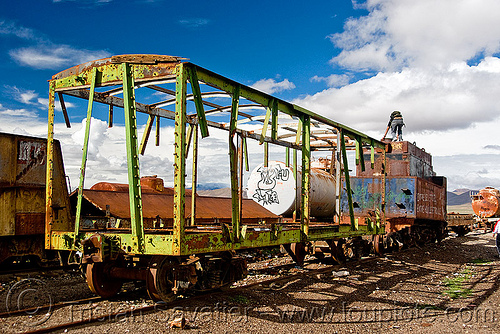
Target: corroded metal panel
x=160 y=205
x=403 y=159
x=406 y=197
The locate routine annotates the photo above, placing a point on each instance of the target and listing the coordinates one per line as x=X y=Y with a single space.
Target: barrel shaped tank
x=486 y=203
x=275 y=188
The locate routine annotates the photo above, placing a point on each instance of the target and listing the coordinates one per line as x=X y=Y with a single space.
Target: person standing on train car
x=496 y=230
x=396 y=124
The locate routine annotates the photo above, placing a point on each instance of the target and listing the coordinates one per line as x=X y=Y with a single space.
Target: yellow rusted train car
x=23 y=164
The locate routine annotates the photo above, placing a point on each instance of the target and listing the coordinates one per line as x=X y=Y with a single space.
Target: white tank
x=274 y=188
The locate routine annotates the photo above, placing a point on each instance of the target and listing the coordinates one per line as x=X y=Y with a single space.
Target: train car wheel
x=100 y=282
x=337 y=249
x=378 y=244
x=297 y=252
x=160 y=280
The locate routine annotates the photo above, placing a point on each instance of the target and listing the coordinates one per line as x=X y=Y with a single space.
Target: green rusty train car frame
x=129 y=72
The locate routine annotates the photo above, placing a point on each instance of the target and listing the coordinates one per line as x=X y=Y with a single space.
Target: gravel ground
x=449 y=287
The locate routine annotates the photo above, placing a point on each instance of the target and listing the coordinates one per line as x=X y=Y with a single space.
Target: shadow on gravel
x=408 y=285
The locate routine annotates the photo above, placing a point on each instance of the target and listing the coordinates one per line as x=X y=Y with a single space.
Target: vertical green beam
x=110 y=116
x=287 y=156
x=85 y=151
x=306 y=168
x=299 y=132
x=360 y=159
x=245 y=152
x=179 y=159
x=347 y=180
x=338 y=179
x=198 y=101
x=240 y=178
x=384 y=175
x=266 y=154
x=274 y=121
x=134 y=178
x=233 y=164
x=49 y=185
x=295 y=175
x=264 y=127
x=195 y=175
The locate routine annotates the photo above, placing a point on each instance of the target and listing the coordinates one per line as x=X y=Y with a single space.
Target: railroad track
x=268 y=282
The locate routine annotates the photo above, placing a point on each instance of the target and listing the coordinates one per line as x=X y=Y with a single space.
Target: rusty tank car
x=23 y=166
x=486 y=203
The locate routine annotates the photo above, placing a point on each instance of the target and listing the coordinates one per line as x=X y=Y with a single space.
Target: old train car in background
x=23 y=167
x=414 y=197
x=486 y=206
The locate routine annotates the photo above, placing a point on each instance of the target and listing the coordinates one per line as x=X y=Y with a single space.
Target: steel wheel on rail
x=100 y=282
x=160 y=281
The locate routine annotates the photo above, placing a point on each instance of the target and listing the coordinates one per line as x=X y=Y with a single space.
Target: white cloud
x=398 y=33
x=437 y=62
x=10 y=28
x=194 y=22
x=54 y=56
x=17 y=113
x=440 y=100
x=31 y=98
x=271 y=86
x=44 y=54
x=334 y=80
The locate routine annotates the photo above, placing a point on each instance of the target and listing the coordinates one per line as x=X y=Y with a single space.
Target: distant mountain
x=459 y=197
x=461 y=191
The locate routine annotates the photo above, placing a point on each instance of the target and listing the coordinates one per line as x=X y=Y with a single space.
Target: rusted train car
x=413 y=196
x=176 y=241
x=172 y=242
x=23 y=167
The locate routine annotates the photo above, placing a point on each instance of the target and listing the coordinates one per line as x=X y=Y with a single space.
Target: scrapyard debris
x=340 y=273
x=179 y=322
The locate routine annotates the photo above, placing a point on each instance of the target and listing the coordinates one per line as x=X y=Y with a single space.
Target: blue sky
x=352 y=61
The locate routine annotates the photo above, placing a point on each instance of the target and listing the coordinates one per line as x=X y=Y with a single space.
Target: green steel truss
x=291 y=126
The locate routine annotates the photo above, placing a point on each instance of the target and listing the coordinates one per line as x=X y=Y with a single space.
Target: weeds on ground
x=455 y=285
x=480 y=261
x=239 y=299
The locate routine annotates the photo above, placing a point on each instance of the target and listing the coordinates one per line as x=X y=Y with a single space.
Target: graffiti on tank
x=269 y=176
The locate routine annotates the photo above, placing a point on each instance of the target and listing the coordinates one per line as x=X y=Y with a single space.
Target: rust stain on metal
x=133 y=59
x=160 y=203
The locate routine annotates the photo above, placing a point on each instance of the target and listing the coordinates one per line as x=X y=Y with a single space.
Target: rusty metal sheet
x=146 y=187
x=30 y=223
x=137 y=59
x=403 y=159
x=157 y=204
